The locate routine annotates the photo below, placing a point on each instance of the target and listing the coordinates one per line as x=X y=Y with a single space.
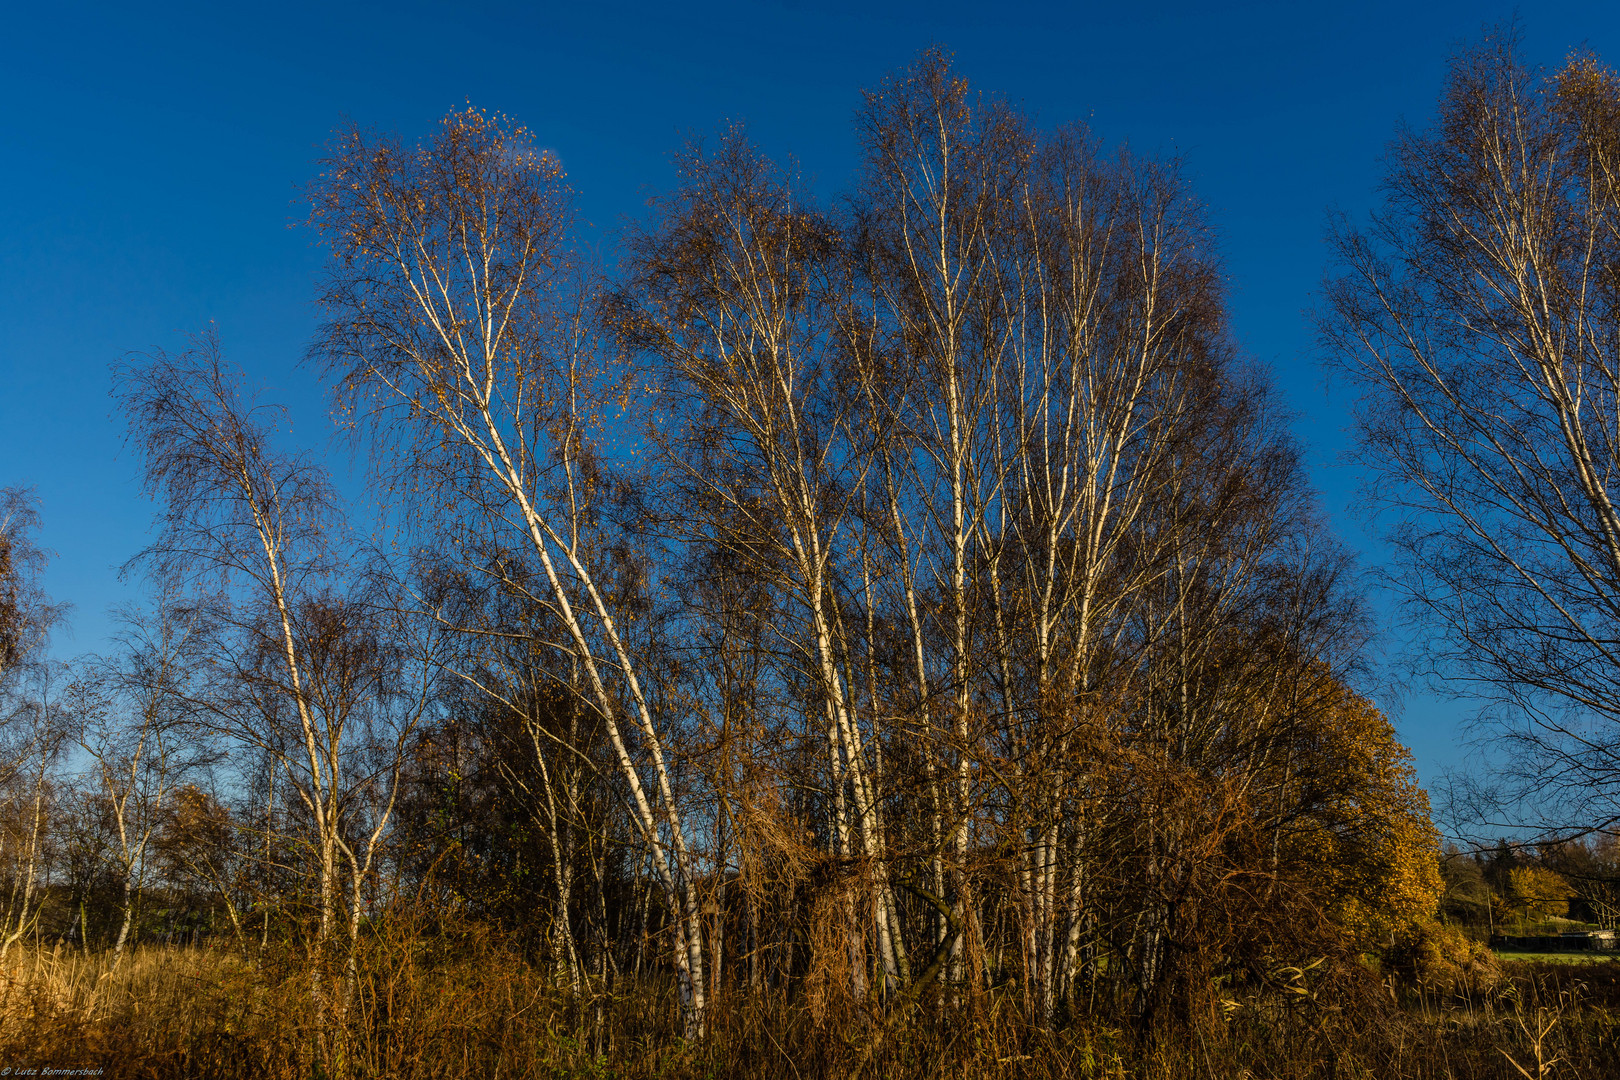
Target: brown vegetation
x=467 y=1007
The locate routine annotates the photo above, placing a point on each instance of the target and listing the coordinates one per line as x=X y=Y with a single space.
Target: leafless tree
x=460 y=337
x=32 y=718
x=1058 y=321
x=137 y=737
x=26 y=615
x=300 y=665
x=1478 y=316
x=239 y=517
x=741 y=290
x=35 y=731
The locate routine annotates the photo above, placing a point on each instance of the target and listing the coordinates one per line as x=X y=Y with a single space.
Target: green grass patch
x=1559 y=957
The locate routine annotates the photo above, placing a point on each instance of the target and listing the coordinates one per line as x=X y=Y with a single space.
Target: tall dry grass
x=159 y=1011
x=462 y=1006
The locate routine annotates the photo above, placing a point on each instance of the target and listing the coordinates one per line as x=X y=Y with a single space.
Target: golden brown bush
x=1436 y=956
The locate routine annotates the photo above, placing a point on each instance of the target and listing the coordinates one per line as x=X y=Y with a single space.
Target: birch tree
x=249 y=526
x=137 y=740
x=34 y=733
x=740 y=290
x=546 y=740
x=459 y=338
x=1054 y=313
x=1119 y=332
x=26 y=615
x=1477 y=315
x=33 y=721
x=301 y=666
x=941 y=167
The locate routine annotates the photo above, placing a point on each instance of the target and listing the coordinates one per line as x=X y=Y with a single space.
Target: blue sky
x=150 y=160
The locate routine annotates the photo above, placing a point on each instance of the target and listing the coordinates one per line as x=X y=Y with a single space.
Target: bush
x=1436 y=956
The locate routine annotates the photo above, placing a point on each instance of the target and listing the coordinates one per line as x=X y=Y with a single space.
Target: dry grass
x=198 y=1010
x=464 y=1007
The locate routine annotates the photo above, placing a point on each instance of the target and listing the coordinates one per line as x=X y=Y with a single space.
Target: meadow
x=470 y=1008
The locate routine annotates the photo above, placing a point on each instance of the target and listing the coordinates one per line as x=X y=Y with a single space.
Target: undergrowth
x=469 y=1008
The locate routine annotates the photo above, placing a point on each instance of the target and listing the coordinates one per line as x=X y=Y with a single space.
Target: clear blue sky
x=150 y=158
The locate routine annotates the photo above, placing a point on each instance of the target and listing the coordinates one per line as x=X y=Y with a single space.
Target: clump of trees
x=848 y=604
x=1567 y=882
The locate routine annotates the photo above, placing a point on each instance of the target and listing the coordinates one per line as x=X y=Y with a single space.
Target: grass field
x=470 y=1010
x=1559 y=957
